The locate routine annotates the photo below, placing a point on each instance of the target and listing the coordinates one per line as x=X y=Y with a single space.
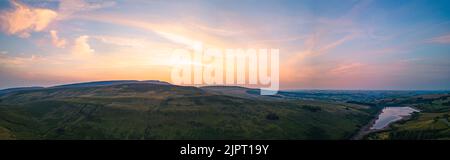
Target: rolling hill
x=149 y=110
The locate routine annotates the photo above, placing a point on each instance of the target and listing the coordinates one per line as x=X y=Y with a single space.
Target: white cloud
x=56 y=41
x=22 y=19
x=81 y=47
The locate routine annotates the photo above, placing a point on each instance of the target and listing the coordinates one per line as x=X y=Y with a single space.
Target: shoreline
x=366 y=129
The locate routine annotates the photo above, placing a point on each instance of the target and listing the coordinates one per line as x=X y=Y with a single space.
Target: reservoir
x=390 y=115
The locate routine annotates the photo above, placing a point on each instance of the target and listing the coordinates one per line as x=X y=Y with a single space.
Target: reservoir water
x=390 y=115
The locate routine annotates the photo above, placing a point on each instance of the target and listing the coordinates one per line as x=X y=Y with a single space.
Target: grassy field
x=148 y=111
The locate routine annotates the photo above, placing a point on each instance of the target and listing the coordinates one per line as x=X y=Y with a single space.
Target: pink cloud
x=56 y=41
x=445 y=39
x=347 y=68
x=67 y=8
x=22 y=19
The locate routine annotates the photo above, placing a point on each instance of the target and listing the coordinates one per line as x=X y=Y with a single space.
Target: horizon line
x=291 y=89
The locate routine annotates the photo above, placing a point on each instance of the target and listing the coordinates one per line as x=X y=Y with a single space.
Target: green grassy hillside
x=149 y=111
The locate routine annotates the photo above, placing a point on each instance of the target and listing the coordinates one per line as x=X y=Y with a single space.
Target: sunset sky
x=324 y=44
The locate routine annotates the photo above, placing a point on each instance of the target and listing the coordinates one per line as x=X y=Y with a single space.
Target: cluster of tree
x=446 y=103
x=417 y=135
x=272 y=116
x=447 y=117
x=311 y=108
x=362 y=103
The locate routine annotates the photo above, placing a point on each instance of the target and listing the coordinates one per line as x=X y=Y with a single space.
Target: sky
x=323 y=44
